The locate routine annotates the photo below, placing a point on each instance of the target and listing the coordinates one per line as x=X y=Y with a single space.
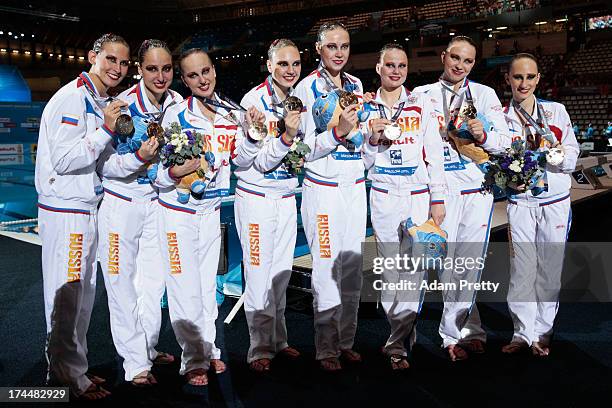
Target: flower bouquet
x=294 y=160
x=516 y=171
x=180 y=146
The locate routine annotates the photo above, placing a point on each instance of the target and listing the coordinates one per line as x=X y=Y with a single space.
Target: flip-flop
x=260 y=365
x=197 y=377
x=217 y=365
x=350 y=356
x=94 y=392
x=163 y=358
x=473 y=346
x=144 y=379
x=330 y=364
x=515 y=347
x=399 y=362
x=540 y=350
x=289 y=352
x=456 y=352
x=95 y=379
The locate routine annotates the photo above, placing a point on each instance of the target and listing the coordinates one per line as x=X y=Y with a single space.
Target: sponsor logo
x=75 y=253
x=113 y=253
x=254 y=244
x=396 y=157
x=323 y=232
x=173 y=253
x=548 y=114
x=409 y=123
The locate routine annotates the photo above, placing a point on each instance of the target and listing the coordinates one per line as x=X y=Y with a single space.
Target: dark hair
x=187 y=53
x=325 y=27
x=278 y=44
x=522 y=55
x=460 y=38
x=148 y=45
x=108 y=38
x=391 y=46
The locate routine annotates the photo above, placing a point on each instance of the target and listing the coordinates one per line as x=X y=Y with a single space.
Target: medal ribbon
x=456 y=107
x=541 y=126
x=396 y=115
x=327 y=78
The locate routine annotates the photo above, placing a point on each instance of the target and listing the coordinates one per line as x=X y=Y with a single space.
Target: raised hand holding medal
x=555 y=154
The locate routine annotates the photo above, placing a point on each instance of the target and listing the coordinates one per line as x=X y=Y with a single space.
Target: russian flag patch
x=70 y=119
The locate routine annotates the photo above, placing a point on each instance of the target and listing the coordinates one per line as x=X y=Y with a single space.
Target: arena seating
x=592 y=60
x=585 y=109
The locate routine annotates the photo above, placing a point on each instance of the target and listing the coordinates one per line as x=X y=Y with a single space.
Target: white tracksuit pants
x=387 y=211
x=131 y=261
x=267 y=229
x=538 y=236
x=334 y=220
x=69 y=282
x=191 y=245
x=468 y=224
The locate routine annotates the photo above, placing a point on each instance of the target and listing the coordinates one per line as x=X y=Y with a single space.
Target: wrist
x=172 y=175
x=286 y=139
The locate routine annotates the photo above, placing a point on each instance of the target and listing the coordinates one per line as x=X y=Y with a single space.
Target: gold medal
x=469 y=112
x=124 y=125
x=154 y=130
x=347 y=99
x=293 y=103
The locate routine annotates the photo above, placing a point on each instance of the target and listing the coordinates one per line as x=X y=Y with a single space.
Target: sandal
x=540 y=349
x=94 y=392
x=260 y=365
x=399 y=362
x=144 y=379
x=350 y=356
x=473 y=346
x=514 y=347
x=197 y=377
x=163 y=358
x=289 y=352
x=95 y=379
x=330 y=364
x=456 y=353
x=217 y=365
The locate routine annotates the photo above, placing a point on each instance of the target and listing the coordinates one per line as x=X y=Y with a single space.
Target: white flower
x=293 y=147
x=515 y=166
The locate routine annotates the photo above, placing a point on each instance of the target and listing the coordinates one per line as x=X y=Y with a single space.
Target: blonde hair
x=277 y=45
